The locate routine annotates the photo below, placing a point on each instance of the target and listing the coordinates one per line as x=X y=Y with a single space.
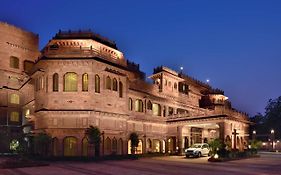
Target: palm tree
x=94 y=137
x=134 y=142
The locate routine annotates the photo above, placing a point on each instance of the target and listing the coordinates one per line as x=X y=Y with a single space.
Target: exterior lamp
x=272 y=131
x=181 y=68
x=254 y=132
x=216 y=156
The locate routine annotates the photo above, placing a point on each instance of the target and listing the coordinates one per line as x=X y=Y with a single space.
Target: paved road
x=267 y=164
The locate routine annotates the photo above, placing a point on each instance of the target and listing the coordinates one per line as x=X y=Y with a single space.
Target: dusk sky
x=236 y=44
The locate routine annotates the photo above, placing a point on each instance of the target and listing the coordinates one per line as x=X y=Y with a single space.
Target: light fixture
x=272 y=131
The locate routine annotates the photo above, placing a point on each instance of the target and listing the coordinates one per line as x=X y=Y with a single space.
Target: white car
x=198 y=150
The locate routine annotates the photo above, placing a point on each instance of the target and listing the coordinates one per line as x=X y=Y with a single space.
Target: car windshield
x=196 y=146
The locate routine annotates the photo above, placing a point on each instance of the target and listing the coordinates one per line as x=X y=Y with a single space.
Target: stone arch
x=120 y=147
x=156 y=146
x=114 y=145
x=85 y=147
x=70 y=146
x=55 y=146
x=107 y=146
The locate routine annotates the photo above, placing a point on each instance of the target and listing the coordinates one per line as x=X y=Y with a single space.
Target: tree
x=41 y=143
x=94 y=137
x=215 y=146
x=134 y=142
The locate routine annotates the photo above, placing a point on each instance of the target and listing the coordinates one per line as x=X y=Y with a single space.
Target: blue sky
x=236 y=44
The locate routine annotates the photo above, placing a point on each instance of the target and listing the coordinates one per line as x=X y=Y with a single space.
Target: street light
x=272 y=138
x=254 y=135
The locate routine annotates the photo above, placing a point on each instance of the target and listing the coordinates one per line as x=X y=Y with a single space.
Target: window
x=138 y=106
x=56 y=82
x=170 y=111
x=120 y=89
x=175 y=85
x=108 y=83
x=85 y=82
x=149 y=105
x=14 y=117
x=130 y=104
x=14 y=99
x=41 y=81
x=114 y=84
x=97 y=84
x=14 y=62
x=70 y=82
x=156 y=109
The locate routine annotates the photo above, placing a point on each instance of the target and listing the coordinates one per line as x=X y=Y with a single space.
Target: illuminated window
x=138 y=106
x=70 y=82
x=14 y=99
x=56 y=82
x=70 y=146
x=14 y=117
x=120 y=89
x=130 y=104
x=156 y=109
x=14 y=62
x=108 y=83
x=97 y=84
x=27 y=113
x=114 y=84
x=85 y=82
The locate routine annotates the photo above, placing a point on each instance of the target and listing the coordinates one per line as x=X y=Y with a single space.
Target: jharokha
x=81 y=79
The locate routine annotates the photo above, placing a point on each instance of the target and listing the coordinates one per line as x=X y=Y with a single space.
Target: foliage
x=41 y=143
x=270 y=120
x=94 y=137
x=255 y=144
x=134 y=141
x=215 y=146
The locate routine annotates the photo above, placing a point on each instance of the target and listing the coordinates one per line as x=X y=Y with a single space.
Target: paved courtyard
x=266 y=164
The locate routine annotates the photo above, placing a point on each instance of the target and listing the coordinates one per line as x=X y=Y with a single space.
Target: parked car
x=198 y=150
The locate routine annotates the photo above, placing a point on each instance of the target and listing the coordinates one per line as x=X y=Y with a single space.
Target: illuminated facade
x=18 y=52
x=82 y=79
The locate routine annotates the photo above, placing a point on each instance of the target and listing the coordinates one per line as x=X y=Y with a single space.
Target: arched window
x=14 y=116
x=130 y=104
x=14 y=62
x=70 y=82
x=14 y=99
x=175 y=85
x=85 y=146
x=120 y=147
x=138 y=106
x=56 y=82
x=85 y=82
x=108 y=83
x=114 y=84
x=97 y=84
x=70 y=146
x=156 y=109
x=149 y=105
x=120 y=89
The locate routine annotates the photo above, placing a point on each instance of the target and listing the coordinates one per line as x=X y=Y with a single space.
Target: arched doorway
x=107 y=143
x=85 y=146
x=138 y=150
x=156 y=146
x=114 y=146
x=120 y=147
x=55 y=146
x=171 y=145
x=149 y=146
x=228 y=142
x=70 y=146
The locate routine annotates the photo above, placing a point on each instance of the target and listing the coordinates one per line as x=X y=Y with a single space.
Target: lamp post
x=254 y=135
x=272 y=138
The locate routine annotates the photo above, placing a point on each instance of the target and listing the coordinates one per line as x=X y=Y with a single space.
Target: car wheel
x=199 y=154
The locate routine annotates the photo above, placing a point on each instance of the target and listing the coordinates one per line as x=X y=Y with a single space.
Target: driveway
x=267 y=164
